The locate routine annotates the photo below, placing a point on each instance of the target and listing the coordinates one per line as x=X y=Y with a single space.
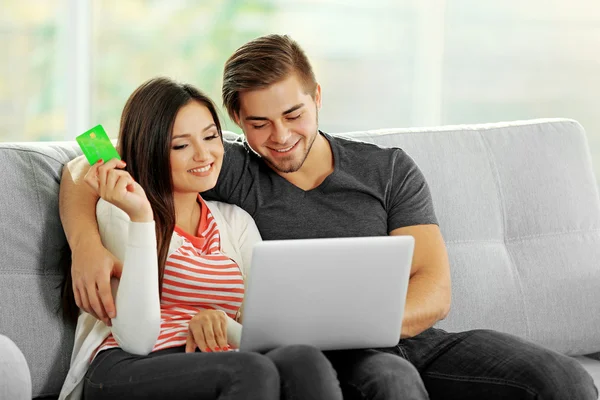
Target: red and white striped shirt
x=197 y=276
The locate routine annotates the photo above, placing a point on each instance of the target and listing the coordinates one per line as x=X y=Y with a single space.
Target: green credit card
x=96 y=145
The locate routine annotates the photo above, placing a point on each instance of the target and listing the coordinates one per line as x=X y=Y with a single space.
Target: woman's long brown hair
x=145 y=144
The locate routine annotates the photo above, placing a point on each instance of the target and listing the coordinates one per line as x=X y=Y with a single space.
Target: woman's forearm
x=137 y=325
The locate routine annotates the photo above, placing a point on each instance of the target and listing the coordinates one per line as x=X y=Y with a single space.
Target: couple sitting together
x=160 y=259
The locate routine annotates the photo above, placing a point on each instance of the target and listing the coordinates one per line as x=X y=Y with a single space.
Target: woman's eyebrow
x=213 y=125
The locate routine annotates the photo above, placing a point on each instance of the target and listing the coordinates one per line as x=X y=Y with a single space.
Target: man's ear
x=236 y=119
x=318 y=96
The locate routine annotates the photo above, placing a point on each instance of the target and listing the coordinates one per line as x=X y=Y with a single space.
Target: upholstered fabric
x=519 y=209
x=34 y=251
x=517 y=203
x=15 y=379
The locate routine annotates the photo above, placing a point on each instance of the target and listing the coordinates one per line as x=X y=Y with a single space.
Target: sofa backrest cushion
x=34 y=253
x=519 y=210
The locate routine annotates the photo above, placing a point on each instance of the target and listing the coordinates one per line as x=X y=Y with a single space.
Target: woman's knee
x=305 y=373
x=289 y=356
x=257 y=373
x=256 y=364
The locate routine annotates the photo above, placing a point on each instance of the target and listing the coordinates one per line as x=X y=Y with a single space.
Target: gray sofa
x=517 y=203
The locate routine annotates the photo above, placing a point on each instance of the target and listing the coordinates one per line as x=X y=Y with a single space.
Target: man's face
x=280 y=122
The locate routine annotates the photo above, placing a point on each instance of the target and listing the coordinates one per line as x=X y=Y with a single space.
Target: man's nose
x=280 y=134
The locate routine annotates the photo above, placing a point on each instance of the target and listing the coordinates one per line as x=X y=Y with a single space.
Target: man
x=298 y=182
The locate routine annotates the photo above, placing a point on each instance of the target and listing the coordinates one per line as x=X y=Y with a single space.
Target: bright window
x=70 y=64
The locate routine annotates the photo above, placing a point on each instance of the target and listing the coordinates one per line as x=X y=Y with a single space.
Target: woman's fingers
x=96 y=176
x=104 y=170
x=91 y=177
x=198 y=336
x=190 y=343
x=208 y=331
x=109 y=189
x=220 y=330
x=123 y=181
x=111 y=180
x=209 y=335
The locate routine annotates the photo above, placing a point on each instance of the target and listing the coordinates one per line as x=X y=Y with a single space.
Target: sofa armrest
x=15 y=379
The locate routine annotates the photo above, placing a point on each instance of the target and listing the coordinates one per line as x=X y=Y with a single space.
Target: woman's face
x=196 y=150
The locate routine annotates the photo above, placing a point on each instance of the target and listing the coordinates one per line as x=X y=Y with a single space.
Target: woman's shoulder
x=233 y=216
x=230 y=212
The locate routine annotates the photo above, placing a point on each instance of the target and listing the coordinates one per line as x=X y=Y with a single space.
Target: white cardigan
x=137 y=325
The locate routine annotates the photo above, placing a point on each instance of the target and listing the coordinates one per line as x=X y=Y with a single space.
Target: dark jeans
x=291 y=372
x=479 y=364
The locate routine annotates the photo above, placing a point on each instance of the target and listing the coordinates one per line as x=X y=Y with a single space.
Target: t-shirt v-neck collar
x=325 y=183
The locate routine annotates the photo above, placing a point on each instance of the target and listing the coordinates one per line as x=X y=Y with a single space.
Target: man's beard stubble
x=295 y=167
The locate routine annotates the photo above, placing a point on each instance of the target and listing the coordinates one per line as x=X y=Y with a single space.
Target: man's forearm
x=427 y=302
x=77 y=205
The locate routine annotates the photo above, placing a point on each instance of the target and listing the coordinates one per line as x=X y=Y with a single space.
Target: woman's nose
x=201 y=153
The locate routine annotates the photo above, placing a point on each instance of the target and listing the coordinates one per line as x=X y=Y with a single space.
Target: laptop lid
x=335 y=293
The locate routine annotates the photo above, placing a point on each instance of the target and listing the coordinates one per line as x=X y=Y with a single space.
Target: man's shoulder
x=357 y=151
x=361 y=147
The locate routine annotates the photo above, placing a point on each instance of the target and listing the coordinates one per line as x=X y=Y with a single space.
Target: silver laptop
x=340 y=293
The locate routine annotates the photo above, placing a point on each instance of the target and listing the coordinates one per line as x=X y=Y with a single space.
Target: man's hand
x=91 y=281
x=208 y=331
x=92 y=265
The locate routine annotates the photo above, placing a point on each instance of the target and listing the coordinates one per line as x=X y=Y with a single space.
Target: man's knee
x=548 y=374
x=567 y=379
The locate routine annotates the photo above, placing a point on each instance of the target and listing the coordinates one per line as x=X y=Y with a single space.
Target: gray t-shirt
x=372 y=191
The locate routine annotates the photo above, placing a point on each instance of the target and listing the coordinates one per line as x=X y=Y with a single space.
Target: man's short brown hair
x=261 y=63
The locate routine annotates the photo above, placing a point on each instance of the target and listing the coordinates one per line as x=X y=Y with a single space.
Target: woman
x=184 y=265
